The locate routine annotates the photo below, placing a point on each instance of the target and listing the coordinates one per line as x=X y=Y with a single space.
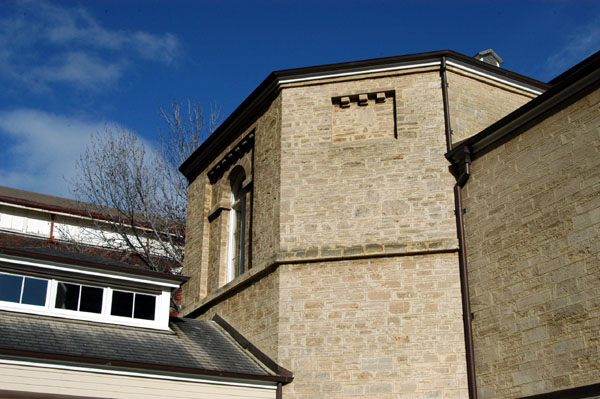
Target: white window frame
x=161 y=309
x=237 y=248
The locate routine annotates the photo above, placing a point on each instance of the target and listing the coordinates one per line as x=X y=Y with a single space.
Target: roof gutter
x=113 y=366
x=166 y=373
x=569 y=87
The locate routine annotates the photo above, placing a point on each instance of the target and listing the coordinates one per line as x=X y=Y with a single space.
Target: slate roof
x=192 y=346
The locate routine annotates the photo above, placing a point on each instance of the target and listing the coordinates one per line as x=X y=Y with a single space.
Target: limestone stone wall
x=255 y=313
x=370 y=328
x=209 y=204
x=533 y=242
x=386 y=182
x=477 y=102
x=373 y=328
x=196 y=242
x=354 y=217
x=267 y=189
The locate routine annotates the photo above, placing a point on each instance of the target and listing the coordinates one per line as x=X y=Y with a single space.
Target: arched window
x=237 y=225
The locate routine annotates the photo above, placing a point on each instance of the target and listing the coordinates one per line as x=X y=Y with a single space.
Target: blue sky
x=70 y=68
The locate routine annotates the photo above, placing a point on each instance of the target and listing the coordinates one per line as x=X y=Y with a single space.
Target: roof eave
x=149 y=367
x=248 y=111
x=568 y=88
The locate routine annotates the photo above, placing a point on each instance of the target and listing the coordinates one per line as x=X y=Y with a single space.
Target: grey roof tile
x=191 y=344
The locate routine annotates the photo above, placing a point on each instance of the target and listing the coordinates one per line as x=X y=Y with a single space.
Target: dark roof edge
x=257 y=353
x=96 y=265
x=137 y=365
x=567 y=88
x=584 y=391
x=247 y=112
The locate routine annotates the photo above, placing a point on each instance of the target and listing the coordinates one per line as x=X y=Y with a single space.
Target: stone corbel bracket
x=362 y=99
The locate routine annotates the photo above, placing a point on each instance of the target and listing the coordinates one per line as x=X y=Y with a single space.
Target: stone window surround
x=239 y=191
x=219 y=177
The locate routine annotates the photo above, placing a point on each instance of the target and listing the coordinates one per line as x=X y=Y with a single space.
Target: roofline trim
x=409 y=66
x=71 y=213
x=229 y=381
x=569 y=87
x=490 y=76
x=245 y=114
x=16 y=257
x=352 y=73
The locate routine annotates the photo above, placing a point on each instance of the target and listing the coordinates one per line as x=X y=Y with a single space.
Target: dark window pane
x=144 y=306
x=34 y=291
x=10 y=288
x=122 y=304
x=67 y=296
x=91 y=299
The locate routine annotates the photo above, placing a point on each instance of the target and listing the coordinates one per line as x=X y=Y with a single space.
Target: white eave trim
x=220 y=381
x=364 y=71
x=492 y=77
x=107 y=274
x=458 y=65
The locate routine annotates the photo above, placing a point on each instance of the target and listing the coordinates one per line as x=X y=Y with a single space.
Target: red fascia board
x=72 y=211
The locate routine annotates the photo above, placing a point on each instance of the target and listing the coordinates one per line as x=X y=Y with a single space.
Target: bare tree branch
x=139 y=193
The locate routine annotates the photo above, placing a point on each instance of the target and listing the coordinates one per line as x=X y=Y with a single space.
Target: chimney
x=489 y=56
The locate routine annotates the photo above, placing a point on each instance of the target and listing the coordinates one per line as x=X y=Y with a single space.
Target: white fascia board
x=216 y=381
x=488 y=75
x=459 y=65
x=364 y=71
x=78 y=269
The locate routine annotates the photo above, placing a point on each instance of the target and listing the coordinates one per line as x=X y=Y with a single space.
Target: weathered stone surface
x=353 y=214
x=533 y=233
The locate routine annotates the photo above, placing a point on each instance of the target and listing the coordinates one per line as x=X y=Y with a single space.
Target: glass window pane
x=122 y=304
x=34 y=291
x=144 y=306
x=10 y=287
x=67 y=296
x=91 y=299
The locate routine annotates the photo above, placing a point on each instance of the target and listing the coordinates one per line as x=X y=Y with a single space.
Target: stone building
x=322 y=226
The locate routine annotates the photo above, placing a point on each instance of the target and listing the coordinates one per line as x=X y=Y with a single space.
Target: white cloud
x=44 y=148
x=38 y=33
x=578 y=46
x=79 y=68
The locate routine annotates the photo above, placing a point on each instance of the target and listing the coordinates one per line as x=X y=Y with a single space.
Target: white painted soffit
x=450 y=61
